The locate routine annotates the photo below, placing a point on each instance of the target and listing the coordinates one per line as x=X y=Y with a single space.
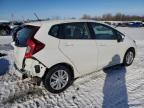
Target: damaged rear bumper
x=18 y=71
x=32 y=68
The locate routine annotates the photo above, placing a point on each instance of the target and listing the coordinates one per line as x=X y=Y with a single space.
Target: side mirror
x=119 y=38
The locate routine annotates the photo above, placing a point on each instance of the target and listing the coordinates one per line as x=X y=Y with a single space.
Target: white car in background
x=60 y=51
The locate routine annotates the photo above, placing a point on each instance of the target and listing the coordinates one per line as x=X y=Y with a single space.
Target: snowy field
x=116 y=87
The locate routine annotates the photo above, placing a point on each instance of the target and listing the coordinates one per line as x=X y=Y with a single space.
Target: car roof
x=52 y=22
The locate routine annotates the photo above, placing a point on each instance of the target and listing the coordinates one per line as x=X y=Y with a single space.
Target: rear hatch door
x=21 y=37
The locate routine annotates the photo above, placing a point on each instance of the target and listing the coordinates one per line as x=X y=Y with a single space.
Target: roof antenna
x=37 y=17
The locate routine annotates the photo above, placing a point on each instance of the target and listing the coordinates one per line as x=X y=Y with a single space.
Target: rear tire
x=58 y=79
x=129 y=57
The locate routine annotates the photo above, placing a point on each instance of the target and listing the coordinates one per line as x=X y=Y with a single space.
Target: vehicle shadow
x=4 y=66
x=115 y=90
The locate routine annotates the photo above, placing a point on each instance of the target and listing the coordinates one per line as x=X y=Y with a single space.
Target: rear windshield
x=23 y=33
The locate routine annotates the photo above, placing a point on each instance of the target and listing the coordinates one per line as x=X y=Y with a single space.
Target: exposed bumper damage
x=31 y=68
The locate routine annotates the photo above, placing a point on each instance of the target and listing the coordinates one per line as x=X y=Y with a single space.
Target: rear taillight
x=33 y=47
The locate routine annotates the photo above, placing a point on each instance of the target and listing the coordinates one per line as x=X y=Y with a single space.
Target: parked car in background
x=143 y=24
x=123 y=24
x=15 y=24
x=4 y=28
x=57 y=52
x=135 y=24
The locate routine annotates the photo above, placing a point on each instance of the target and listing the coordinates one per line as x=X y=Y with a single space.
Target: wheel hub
x=59 y=79
x=129 y=57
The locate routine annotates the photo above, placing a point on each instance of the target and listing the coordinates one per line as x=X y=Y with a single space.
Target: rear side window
x=75 y=31
x=23 y=34
x=54 y=31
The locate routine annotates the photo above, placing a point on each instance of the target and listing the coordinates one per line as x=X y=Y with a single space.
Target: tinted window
x=75 y=31
x=103 y=32
x=23 y=34
x=54 y=31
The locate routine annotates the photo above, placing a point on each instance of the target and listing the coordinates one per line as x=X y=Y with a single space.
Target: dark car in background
x=6 y=28
x=136 y=24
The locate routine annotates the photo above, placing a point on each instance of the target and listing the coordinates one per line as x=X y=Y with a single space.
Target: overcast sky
x=67 y=8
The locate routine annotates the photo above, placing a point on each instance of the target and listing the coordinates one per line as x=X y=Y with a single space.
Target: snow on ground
x=116 y=87
x=5 y=39
x=135 y=33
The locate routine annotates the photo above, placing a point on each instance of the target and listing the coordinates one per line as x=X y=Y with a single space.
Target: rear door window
x=75 y=31
x=23 y=34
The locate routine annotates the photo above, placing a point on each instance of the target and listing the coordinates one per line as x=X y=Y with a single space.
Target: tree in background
x=116 y=17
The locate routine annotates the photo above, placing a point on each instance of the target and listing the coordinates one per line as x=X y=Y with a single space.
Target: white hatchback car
x=60 y=51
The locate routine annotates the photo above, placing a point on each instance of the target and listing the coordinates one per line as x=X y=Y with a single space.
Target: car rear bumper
x=32 y=68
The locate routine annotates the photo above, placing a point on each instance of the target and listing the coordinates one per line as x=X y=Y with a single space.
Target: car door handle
x=68 y=44
x=101 y=45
